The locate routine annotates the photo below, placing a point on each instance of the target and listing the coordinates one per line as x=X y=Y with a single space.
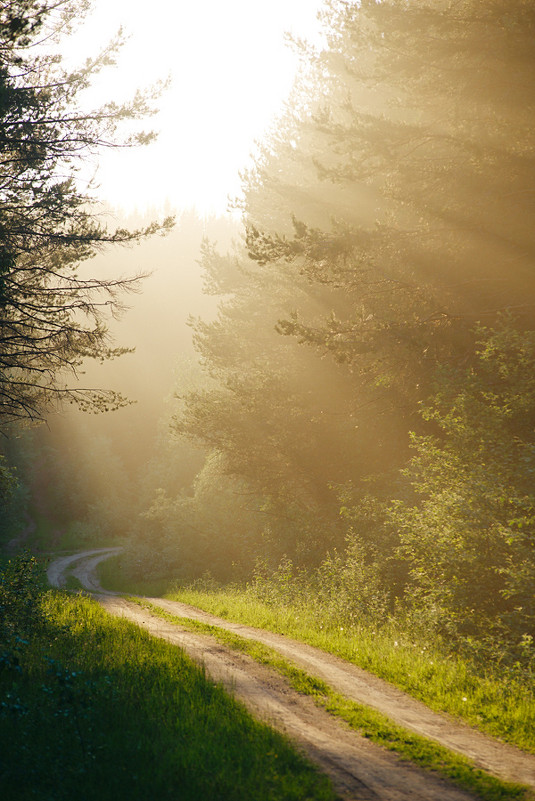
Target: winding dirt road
x=359 y=769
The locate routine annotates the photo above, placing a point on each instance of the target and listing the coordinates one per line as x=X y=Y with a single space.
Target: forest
x=336 y=384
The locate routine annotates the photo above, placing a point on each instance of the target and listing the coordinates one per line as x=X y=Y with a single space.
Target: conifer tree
x=52 y=311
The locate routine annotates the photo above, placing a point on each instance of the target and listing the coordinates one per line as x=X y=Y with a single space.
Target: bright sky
x=230 y=70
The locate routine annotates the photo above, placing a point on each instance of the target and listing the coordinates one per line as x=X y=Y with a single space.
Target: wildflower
x=464 y=698
x=396 y=643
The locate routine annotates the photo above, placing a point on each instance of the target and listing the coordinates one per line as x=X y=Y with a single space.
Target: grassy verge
x=482 y=698
x=367 y=722
x=485 y=697
x=91 y=701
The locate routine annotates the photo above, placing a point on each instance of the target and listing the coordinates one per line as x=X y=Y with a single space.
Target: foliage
x=383 y=297
x=76 y=487
x=203 y=528
x=12 y=497
x=388 y=224
x=126 y=703
x=406 y=197
x=469 y=540
x=386 y=213
x=53 y=311
x=366 y=721
x=497 y=697
x=21 y=586
x=271 y=408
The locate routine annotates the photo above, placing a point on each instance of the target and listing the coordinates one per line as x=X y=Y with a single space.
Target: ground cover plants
x=89 y=699
x=366 y=721
x=498 y=699
x=112 y=577
x=497 y=702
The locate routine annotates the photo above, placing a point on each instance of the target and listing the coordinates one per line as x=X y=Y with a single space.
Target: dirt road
x=359 y=769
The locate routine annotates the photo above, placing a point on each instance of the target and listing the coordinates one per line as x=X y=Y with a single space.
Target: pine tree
x=53 y=312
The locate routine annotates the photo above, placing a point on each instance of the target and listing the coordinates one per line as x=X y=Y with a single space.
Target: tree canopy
x=53 y=312
x=407 y=173
x=383 y=288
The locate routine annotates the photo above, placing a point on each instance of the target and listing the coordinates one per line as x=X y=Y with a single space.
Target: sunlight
x=230 y=70
x=306 y=418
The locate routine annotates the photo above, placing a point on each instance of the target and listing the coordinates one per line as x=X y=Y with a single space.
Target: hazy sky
x=230 y=71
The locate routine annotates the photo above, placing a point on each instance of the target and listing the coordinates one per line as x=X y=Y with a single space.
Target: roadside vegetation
x=85 y=698
x=367 y=722
x=495 y=696
x=498 y=700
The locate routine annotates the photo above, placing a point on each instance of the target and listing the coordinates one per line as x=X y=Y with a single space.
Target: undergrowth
x=502 y=705
x=366 y=721
x=496 y=697
x=93 y=702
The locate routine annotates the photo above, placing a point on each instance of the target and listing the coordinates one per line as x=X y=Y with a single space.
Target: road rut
x=359 y=769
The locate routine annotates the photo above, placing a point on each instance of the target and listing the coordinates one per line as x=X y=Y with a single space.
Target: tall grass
x=497 y=699
x=93 y=707
x=367 y=722
x=445 y=682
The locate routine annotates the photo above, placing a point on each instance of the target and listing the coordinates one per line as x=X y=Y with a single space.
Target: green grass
x=423 y=752
x=502 y=708
x=112 y=578
x=367 y=722
x=72 y=584
x=96 y=708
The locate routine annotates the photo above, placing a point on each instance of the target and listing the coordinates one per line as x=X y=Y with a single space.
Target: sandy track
x=502 y=760
x=84 y=572
x=359 y=769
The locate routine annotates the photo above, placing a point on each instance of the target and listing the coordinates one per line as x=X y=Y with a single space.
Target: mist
x=319 y=378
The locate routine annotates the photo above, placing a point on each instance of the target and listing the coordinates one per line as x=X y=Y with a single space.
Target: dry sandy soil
x=359 y=769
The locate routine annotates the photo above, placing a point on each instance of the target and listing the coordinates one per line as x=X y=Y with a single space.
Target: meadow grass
x=93 y=707
x=366 y=721
x=501 y=706
x=500 y=703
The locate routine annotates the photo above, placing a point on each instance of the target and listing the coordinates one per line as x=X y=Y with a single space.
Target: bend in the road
x=503 y=760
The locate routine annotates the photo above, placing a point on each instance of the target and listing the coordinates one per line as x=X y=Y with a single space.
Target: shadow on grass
x=95 y=708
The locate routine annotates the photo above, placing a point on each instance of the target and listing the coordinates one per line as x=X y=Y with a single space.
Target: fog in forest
x=334 y=382
x=154 y=324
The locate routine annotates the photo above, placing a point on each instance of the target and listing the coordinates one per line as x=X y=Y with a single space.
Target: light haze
x=230 y=71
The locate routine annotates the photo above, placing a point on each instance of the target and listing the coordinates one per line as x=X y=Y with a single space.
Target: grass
x=72 y=584
x=112 y=578
x=446 y=683
x=482 y=696
x=93 y=702
x=367 y=722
